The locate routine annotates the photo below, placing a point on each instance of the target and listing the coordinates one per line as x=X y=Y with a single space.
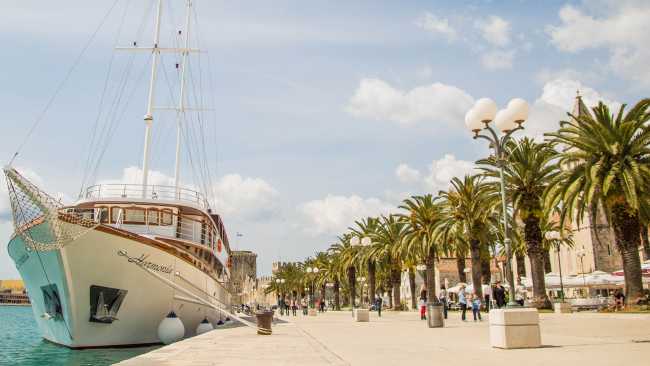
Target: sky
x=319 y=113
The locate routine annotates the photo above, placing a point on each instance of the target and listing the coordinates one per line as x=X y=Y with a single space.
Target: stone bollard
x=435 y=318
x=264 y=320
x=562 y=308
x=515 y=328
x=361 y=315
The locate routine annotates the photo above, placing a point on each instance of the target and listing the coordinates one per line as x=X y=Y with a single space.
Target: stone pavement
x=398 y=338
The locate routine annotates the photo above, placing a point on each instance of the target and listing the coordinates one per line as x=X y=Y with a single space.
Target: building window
x=134 y=215
x=152 y=216
x=166 y=217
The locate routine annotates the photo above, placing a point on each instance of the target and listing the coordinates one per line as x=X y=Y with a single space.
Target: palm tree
x=423 y=213
x=387 y=240
x=467 y=213
x=529 y=169
x=347 y=260
x=365 y=228
x=606 y=165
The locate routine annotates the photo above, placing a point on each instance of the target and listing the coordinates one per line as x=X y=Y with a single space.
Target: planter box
x=361 y=315
x=515 y=328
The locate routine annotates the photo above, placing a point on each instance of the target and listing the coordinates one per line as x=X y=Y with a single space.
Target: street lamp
x=506 y=121
x=310 y=270
x=581 y=254
x=555 y=237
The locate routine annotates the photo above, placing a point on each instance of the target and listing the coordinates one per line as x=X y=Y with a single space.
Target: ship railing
x=138 y=191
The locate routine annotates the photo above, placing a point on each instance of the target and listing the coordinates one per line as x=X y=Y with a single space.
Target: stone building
x=243 y=273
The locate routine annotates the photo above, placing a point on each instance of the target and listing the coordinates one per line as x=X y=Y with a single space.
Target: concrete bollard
x=515 y=328
x=435 y=318
x=361 y=315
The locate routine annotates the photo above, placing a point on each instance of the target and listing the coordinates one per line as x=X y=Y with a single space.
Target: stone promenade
x=582 y=339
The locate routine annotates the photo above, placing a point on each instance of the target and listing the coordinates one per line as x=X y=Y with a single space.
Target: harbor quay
x=395 y=338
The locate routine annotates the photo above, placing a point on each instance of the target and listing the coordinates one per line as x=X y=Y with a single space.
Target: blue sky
x=324 y=111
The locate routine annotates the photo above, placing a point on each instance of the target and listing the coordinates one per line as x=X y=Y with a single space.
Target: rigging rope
x=49 y=103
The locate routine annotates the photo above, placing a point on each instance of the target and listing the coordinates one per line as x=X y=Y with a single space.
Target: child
x=423 y=309
x=476 y=306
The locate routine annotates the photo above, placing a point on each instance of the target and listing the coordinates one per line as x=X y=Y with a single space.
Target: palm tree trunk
x=486 y=272
x=352 y=279
x=547 y=260
x=390 y=298
x=337 y=294
x=412 y=288
x=395 y=276
x=372 y=281
x=322 y=292
x=646 y=242
x=537 y=256
x=521 y=265
x=475 y=249
x=460 y=267
x=626 y=228
x=430 y=280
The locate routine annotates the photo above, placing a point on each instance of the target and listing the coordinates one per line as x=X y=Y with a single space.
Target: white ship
x=106 y=270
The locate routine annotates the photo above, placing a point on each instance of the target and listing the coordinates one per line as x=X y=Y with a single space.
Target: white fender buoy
x=171 y=329
x=204 y=326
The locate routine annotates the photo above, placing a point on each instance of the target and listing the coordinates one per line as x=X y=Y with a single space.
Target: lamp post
x=507 y=121
x=361 y=281
x=581 y=254
x=555 y=238
x=310 y=270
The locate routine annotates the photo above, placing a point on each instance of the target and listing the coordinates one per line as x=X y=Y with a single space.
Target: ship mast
x=181 y=100
x=148 y=118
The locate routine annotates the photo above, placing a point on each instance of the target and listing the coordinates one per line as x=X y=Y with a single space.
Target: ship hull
x=64 y=286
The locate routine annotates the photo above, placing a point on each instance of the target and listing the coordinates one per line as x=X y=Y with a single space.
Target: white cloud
x=495 y=30
x=406 y=174
x=437 y=26
x=562 y=93
x=376 y=99
x=623 y=30
x=334 y=214
x=498 y=59
x=441 y=172
x=252 y=198
x=558 y=98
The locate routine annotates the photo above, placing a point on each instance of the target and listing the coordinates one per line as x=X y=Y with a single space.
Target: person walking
x=379 y=302
x=294 y=306
x=487 y=294
x=443 y=300
x=476 y=306
x=303 y=305
x=423 y=307
x=462 y=301
x=499 y=294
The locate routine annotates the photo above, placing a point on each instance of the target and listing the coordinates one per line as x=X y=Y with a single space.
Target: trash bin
x=435 y=318
x=264 y=319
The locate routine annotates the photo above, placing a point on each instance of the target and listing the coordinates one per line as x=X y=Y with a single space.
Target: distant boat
x=107 y=269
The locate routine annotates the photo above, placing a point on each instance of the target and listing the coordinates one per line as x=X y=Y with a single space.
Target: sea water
x=21 y=344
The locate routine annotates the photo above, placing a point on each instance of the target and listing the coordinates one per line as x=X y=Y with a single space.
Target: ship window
x=103 y=214
x=152 y=216
x=166 y=217
x=115 y=214
x=134 y=215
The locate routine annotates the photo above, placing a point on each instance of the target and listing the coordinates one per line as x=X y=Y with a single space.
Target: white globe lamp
x=473 y=122
x=365 y=241
x=519 y=109
x=485 y=109
x=354 y=241
x=504 y=121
